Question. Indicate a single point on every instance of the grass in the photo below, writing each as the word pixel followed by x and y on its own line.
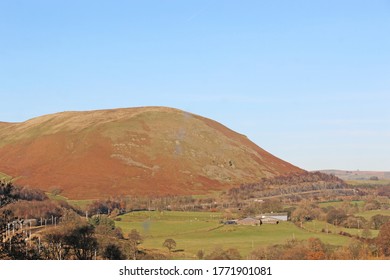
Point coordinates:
pixel 82 204
pixel 369 214
pixel 156 224
pixel 194 231
pixel 317 226
pixel 382 182
pixel 56 196
pixel 5 177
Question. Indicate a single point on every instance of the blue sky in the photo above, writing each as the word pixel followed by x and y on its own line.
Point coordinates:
pixel 308 81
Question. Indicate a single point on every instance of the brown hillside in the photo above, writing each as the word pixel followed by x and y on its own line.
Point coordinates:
pixel 135 151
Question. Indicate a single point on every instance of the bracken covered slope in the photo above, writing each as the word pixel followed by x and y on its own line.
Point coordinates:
pixel 134 151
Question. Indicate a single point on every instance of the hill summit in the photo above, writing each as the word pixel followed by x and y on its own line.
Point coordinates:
pixel 133 151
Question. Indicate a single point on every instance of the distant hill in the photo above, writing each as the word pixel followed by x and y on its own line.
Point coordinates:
pixel 358 175
pixel 134 151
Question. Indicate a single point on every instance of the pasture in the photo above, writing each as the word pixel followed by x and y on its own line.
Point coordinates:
pixel 318 226
pixel 369 214
pixel 81 203
pixel 194 231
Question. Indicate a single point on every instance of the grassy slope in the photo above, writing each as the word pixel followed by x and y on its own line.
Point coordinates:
pixel 368 214
pixel 194 231
pixel 82 204
pixel 5 177
pixel 317 226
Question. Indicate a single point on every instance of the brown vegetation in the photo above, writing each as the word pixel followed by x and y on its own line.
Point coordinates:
pixel 287 186
pixel 315 249
pixel 136 151
pixel 97 237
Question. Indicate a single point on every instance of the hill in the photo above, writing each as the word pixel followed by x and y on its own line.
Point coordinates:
pixel 134 151
pixel 359 175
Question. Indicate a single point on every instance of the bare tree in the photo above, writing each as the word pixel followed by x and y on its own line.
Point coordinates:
pixel 170 244
pixel 383 239
pixel 134 239
pixel 83 242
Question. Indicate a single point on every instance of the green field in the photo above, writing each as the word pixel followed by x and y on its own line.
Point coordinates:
pixel 369 214
pixel 82 204
pixel 317 226
pixel 194 231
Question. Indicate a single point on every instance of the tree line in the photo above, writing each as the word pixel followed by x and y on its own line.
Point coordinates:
pixel 285 185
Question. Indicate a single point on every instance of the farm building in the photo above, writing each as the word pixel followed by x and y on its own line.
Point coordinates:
pixel 281 217
pixel 249 222
pixel 268 220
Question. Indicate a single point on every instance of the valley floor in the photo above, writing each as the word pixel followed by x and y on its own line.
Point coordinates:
pixel 195 231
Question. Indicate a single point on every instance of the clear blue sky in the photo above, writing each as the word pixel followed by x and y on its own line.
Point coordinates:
pixel 308 81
